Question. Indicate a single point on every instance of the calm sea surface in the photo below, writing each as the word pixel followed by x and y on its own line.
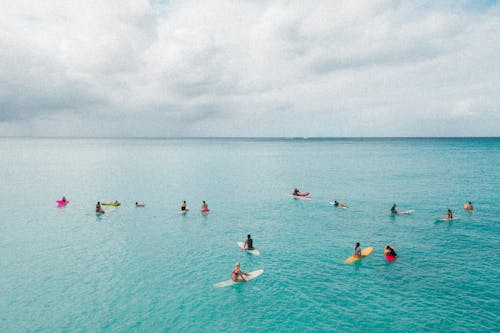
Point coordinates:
pixel 152 270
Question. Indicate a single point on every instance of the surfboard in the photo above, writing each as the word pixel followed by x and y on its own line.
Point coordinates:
pixel 401 213
pixel 364 252
pixel 230 282
pixel 447 219
pixel 205 211
pixel 106 203
pixel 389 258
pixel 255 252
pixel 183 212
pixel 299 197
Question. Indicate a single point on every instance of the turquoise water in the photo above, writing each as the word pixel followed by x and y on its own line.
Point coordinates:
pixel 152 270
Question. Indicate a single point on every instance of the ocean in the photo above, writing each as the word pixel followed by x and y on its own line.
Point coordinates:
pixel 150 269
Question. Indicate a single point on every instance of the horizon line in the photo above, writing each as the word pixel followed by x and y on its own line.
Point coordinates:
pixel 246 137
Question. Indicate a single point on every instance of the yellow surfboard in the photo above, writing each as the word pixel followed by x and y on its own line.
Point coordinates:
pixel 365 252
pixel 106 203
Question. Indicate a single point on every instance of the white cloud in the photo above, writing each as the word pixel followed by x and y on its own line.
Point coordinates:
pixel 241 68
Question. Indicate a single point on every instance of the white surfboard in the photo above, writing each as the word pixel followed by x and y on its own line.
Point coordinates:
pixel 255 252
pixel 230 282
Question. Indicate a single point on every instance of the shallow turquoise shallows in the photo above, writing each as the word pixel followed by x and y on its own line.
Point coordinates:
pixel 152 270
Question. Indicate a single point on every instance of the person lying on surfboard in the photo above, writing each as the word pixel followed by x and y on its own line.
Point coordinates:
pixel 248 243
pixel 237 275
pixel 357 250
pixel 139 204
pixel 297 193
pixel 393 209
pixel 339 204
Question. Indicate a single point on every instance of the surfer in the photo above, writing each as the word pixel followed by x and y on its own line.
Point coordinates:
pixel 98 208
pixel 393 209
pixel 296 191
pixel 237 275
pixel 339 204
pixel 248 243
pixel 184 206
pixel 139 204
pixel 357 250
pixel 468 206
pixel 204 205
pixel 450 214
pixel 389 250
pixel 63 199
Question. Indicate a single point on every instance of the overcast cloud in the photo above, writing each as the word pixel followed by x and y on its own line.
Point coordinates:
pixel 249 68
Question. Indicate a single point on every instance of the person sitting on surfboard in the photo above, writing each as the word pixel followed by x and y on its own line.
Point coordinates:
pixel 393 209
pixel 357 250
pixel 248 243
pixel 204 205
pixel 468 206
pixel 63 199
pixel 389 250
pixel 296 191
pixel 184 206
pixel 98 208
pixel 237 275
pixel 450 214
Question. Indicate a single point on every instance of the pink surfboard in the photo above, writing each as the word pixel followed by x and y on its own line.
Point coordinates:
pixel 389 258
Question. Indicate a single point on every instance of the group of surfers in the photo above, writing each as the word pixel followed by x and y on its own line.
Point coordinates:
pixel 99 210
pixel 468 206
pixel 389 250
pixel 237 275
pixel 184 206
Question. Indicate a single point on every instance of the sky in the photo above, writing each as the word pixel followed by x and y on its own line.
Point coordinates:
pixel 249 68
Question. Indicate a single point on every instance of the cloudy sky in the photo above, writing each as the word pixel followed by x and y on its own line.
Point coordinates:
pixel 249 68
